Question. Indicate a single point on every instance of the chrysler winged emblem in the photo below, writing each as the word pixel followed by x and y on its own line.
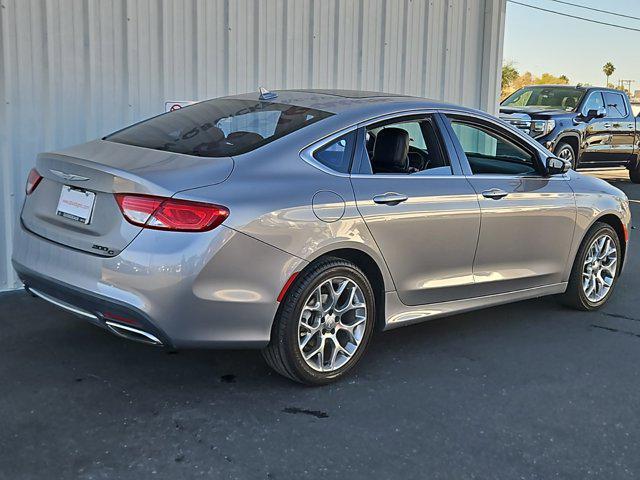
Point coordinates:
pixel 69 176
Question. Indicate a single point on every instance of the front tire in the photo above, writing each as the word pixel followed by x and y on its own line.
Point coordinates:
pixel 324 323
pixel 566 152
pixel 595 269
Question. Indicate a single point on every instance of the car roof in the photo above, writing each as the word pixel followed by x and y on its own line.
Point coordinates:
pixel 338 101
pixel 580 87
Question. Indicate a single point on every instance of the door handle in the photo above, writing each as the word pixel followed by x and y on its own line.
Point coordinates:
pixel 606 125
pixel 494 193
pixel 390 198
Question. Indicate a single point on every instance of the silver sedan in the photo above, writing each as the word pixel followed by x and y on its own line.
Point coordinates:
pixel 299 221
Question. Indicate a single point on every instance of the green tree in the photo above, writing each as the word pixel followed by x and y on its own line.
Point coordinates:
pixel 509 75
pixel 608 70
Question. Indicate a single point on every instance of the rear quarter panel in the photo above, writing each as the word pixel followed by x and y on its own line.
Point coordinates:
pixel 278 198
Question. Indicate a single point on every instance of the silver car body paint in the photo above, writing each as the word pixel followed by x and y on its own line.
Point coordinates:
pixel 447 249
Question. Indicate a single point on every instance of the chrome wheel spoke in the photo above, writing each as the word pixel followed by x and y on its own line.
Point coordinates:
pixel 599 269
pixel 332 324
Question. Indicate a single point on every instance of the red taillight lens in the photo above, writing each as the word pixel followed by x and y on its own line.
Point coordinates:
pixel 170 214
pixel 32 181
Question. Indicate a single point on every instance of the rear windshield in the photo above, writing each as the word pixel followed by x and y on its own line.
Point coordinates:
pixel 218 128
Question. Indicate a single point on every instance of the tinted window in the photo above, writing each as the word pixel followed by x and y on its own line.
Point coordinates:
pixel 489 153
pixel 564 98
pixel 423 155
pixel 594 102
pixel 218 128
pixel 337 154
pixel 616 106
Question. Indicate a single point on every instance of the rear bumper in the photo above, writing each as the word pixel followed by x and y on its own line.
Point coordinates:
pixel 214 289
pixel 119 318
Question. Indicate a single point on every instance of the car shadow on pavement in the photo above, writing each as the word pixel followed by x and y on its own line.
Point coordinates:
pixel 72 351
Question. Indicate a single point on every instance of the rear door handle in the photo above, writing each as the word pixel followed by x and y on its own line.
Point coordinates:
pixel 390 198
pixel 494 193
pixel 606 125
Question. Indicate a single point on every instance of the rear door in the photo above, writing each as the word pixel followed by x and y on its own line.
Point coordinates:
pixel 527 219
pixel 424 218
pixel 621 125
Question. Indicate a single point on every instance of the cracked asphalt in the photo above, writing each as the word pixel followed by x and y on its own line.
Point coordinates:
pixel 529 390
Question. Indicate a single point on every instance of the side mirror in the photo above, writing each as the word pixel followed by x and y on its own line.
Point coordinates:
pixel 557 166
pixel 601 112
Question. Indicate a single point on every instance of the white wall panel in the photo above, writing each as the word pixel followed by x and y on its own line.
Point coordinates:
pixel 73 70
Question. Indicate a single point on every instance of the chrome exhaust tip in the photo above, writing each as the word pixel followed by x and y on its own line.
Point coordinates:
pixel 131 333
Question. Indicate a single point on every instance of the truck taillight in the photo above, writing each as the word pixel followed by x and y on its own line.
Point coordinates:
pixel 32 181
pixel 170 214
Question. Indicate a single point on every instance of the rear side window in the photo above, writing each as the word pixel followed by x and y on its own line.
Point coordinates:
pixel 221 127
pixel 616 106
pixel 337 154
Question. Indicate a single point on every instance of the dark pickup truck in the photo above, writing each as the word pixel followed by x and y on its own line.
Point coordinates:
pixel 592 127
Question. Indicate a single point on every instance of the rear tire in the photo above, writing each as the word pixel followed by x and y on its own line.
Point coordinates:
pixel 307 322
pixel 595 270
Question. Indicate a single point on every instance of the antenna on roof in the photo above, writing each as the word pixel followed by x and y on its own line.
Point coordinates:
pixel 266 94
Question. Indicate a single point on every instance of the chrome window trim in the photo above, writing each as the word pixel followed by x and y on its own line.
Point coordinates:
pixel 495 176
pixel 502 126
pixel 307 153
pixel 408 175
pixel 391 116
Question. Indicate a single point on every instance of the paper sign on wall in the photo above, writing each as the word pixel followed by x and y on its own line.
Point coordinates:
pixel 177 104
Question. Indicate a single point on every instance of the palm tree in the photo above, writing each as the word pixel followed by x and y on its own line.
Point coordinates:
pixel 608 70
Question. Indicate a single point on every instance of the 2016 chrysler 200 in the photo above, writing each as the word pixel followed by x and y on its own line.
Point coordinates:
pixel 298 222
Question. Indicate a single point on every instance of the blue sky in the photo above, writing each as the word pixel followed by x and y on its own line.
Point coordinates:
pixel 543 42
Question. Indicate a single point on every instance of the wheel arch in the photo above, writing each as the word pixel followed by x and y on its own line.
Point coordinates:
pixel 616 223
pixel 573 139
pixel 366 262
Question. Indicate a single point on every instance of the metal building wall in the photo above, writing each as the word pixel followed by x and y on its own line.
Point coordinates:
pixel 73 70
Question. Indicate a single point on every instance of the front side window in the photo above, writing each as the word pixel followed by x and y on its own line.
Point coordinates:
pixel 405 146
pixel 221 127
pixel 594 102
pixel 616 106
pixel 337 154
pixel 490 153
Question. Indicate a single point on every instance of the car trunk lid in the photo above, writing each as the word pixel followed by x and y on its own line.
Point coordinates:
pixel 91 173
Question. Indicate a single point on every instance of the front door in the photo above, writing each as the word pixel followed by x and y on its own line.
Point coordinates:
pixel 527 219
pixel 422 213
pixel 597 133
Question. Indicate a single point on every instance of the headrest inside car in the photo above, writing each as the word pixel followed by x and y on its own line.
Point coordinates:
pixel 390 151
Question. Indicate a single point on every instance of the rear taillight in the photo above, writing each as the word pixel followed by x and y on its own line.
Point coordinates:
pixel 32 181
pixel 170 214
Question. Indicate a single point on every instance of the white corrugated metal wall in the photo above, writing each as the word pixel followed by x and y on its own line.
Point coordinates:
pixel 73 70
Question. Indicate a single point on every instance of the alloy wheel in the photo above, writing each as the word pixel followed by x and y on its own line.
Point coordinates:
pixel 599 269
pixel 566 154
pixel 332 324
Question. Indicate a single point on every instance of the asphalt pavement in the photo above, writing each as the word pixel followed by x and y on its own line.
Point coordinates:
pixel 530 390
